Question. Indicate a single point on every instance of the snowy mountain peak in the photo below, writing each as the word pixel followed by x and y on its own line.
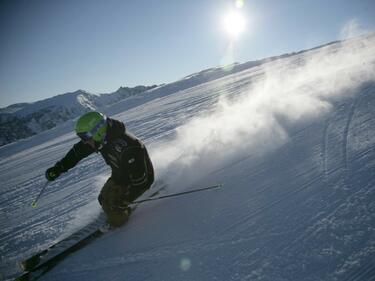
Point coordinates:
pixel 25 119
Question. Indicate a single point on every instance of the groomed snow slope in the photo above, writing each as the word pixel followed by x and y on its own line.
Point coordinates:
pixel 292 141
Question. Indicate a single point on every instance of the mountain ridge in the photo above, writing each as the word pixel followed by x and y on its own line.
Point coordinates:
pixel 23 120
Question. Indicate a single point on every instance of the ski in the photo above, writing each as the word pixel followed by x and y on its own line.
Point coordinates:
pixel 40 263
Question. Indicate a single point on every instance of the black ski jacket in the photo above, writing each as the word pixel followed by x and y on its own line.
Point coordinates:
pixel 123 152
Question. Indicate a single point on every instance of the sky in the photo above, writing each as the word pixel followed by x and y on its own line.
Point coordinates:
pixel 53 47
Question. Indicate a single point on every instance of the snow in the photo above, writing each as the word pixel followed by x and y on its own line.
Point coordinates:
pixel 291 139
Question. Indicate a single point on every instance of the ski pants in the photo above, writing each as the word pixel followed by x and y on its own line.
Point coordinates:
pixel 115 199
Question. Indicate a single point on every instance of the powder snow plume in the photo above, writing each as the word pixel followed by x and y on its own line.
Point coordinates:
pixel 288 91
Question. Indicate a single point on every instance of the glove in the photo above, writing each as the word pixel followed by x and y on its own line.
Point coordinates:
pixel 53 173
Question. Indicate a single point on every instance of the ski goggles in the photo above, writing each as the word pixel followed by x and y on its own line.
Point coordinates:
pixel 86 136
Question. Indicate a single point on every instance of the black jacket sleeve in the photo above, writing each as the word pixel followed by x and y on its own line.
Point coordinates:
pixel 79 151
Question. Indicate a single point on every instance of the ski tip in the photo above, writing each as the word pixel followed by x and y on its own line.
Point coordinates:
pixel 34 205
pixel 30 263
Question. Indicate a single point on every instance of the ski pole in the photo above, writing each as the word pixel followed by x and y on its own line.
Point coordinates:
pixel 178 194
pixel 35 202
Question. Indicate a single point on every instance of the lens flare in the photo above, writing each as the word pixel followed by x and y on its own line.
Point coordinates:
pixel 185 264
pixel 239 3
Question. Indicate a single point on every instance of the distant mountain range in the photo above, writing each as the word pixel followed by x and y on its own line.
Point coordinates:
pixel 22 120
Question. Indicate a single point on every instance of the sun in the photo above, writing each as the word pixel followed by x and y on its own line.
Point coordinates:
pixel 234 24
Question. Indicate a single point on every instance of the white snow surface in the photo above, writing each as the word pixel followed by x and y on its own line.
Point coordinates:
pixel 293 142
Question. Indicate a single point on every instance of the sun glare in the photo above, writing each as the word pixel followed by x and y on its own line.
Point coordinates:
pixel 234 24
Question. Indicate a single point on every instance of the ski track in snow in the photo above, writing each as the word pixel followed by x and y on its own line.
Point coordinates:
pixel 302 208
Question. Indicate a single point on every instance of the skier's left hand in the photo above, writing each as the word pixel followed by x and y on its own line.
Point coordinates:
pixel 53 173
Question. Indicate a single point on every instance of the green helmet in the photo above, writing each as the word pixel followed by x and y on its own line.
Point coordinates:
pixel 92 125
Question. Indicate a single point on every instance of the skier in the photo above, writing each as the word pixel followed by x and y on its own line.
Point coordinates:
pixel 132 170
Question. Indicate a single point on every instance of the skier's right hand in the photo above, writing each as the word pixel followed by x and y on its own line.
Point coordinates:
pixel 53 173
